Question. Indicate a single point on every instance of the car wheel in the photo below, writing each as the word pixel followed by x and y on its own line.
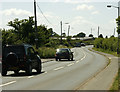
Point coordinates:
pixel 16 71
pixel 29 70
pixel 68 59
pixel 39 68
pixel 4 72
pixel 56 59
pixel 72 59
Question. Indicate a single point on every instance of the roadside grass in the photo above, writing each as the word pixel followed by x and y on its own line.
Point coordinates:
pixel 106 51
pixel 116 84
pixel 48 52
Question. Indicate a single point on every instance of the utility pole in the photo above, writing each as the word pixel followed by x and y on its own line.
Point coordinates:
pixel 68 30
pixel 36 40
pixel 61 31
pixel 98 30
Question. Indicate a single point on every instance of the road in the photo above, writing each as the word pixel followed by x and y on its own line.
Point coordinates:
pixel 59 75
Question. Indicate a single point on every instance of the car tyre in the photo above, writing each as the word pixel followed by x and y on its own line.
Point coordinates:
pixel 4 72
pixel 68 59
pixel 16 71
pixel 72 59
pixel 56 59
pixel 38 68
pixel 29 70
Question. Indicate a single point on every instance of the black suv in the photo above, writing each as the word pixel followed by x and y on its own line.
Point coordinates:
pixel 64 53
pixel 20 57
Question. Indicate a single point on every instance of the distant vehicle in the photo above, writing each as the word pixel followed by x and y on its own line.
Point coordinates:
pixel 20 57
pixel 77 45
pixel 83 44
pixel 63 53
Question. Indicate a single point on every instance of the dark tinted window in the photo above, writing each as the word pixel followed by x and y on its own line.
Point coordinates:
pixel 62 50
pixel 30 51
pixel 19 50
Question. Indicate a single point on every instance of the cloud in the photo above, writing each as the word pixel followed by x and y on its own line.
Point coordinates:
pixel 72 1
pixel 112 21
pixel 14 11
pixel 95 12
pixel 84 7
pixel 10 14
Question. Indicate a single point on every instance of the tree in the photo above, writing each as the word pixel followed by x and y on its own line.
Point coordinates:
pixel 24 32
pixel 90 35
pixel 106 37
pixel 80 35
pixel 64 34
pixel 24 29
pixel 118 24
pixel 100 36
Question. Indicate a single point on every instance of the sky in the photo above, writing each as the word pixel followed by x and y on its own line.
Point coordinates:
pixel 82 15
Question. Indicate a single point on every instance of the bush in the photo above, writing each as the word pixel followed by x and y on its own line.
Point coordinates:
pixel 46 52
pixel 109 44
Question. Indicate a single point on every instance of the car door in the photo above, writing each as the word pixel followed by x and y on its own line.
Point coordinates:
pixel 32 56
pixel 70 53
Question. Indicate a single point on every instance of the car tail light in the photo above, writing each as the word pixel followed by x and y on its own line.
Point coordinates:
pixel 55 54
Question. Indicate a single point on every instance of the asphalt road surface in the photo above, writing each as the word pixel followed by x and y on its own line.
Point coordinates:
pixel 59 75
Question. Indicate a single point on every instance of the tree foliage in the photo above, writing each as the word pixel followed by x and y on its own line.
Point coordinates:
pixel 118 24
pixel 90 35
pixel 106 43
pixel 24 32
pixel 100 36
pixel 80 35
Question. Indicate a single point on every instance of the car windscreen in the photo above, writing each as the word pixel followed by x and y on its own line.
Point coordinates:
pixel 62 50
pixel 18 50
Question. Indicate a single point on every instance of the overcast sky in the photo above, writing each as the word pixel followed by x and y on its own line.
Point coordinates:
pixel 82 15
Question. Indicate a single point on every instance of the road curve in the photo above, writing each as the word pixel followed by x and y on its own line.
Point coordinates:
pixel 60 75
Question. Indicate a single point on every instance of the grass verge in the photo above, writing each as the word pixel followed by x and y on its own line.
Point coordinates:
pixel 48 52
pixel 116 84
pixel 106 51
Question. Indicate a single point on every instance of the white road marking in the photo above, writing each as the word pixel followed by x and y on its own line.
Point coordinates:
pixel 45 72
pixel 70 64
pixel 58 68
pixel 82 58
pixel 30 76
pixel 7 83
pixel 77 61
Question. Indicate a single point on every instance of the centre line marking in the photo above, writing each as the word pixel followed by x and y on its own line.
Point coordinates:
pixel 70 64
pixel 30 76
pixel 58 68
pixel 7 83
pixel 77 61
pixel 82 58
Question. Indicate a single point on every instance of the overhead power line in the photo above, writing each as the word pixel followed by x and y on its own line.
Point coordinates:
pixel 43 14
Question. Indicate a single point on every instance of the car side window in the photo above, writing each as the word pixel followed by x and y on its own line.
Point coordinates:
pixel 69 50
pixel 30 51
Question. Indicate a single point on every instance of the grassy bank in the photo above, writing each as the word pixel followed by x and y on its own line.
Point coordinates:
pixel 48 52
pixel 106 51
pixel 116 84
